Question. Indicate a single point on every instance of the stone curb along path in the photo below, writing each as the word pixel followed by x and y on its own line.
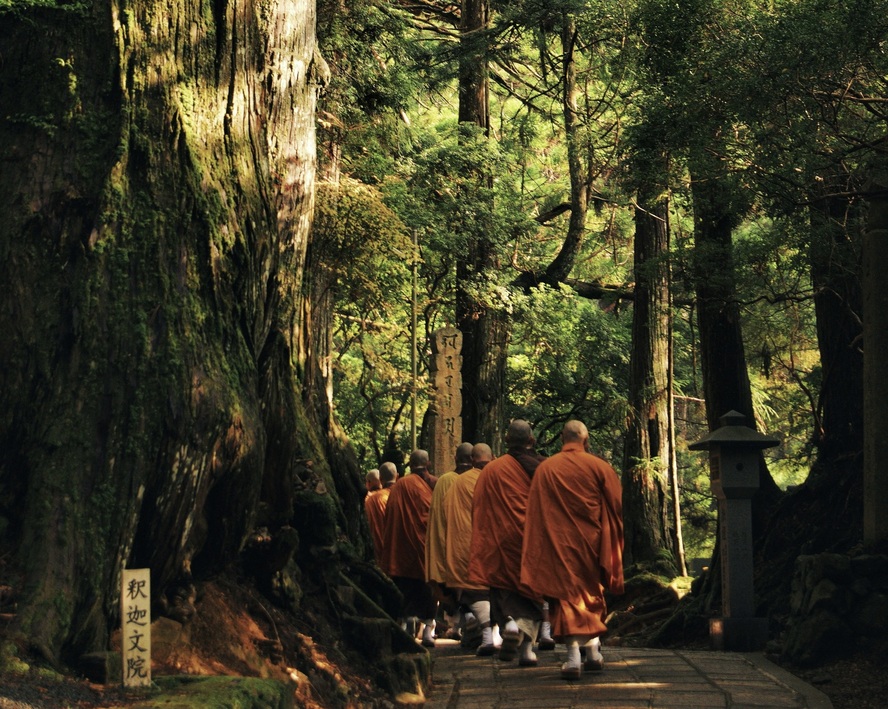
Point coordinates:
pixel 633 678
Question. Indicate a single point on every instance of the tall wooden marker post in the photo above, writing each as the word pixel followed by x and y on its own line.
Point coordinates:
pixel 446 416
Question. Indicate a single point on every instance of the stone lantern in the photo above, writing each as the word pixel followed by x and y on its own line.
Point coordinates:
pixel 734 474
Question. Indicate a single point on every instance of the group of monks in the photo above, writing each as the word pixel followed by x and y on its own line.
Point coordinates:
pixel 520 547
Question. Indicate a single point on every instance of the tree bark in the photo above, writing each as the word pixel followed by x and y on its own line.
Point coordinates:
pixel 646 450
pixel 158 193
pixel 875 364
pixel 484 326
pixel 562 264
pixel 835 275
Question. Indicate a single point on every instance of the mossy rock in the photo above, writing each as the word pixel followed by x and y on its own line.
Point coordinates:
pixel 406 674
pixel 9 659
pixel 190 692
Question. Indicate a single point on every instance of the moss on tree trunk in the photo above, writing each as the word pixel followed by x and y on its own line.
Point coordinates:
pixel 157 184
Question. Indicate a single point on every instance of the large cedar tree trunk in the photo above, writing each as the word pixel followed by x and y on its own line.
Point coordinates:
pixel 484 327
pixel 647 451
pixel 157 184
pixel 835 275
pixel 875 364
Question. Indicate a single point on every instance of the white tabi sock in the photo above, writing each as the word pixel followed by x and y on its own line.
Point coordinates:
pixel 593 650
pixel 525 650
pixel 486 635
pixel 428 632
pixel 545 630
pixel 573 652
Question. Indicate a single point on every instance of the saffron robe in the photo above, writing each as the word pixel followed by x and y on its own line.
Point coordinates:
pixel 573 539
pixel 498 508
pixel 406 519
pixel 374 508
pixel 458 511
pixel 437 529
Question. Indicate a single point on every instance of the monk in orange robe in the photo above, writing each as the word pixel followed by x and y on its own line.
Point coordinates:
pixel 458 545
pixel 573 544
pixel 375 504
pixel 498 510
pixel 404 536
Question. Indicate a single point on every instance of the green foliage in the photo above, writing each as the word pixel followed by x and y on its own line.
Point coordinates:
pixel 193 692
pixel 569 359
pixel 363 243
pixel 22 9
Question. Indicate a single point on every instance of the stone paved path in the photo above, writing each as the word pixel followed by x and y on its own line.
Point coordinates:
pixel 633 678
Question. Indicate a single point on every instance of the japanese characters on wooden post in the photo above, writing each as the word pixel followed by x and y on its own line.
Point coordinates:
pixel 135 620
pixel 446 419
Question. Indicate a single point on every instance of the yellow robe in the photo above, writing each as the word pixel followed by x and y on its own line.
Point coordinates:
pixel 458 511
pixel 437 530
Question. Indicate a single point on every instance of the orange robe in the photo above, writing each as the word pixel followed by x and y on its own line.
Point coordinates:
pixel 498 509
pixel 374 508
pixel 436 533
pixel 458 510
pixel 406 519
pixel 573 539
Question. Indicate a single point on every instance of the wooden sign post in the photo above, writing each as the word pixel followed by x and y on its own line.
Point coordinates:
pixel 446 419
pixel 135 620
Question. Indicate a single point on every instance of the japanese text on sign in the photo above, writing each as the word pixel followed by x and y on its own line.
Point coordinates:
pixel 135 618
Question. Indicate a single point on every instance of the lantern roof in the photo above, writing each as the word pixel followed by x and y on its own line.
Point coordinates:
pixel 734 432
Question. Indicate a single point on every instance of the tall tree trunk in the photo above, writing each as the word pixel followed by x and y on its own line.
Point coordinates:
pixel 835 275
pixel 646 450
pixel 875 364
pixel 726 383
pixel 158 192
pixel 317 385
pixel 484 327
pixel 562 264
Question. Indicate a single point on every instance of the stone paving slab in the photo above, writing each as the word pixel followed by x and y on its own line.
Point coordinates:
pixel 633 678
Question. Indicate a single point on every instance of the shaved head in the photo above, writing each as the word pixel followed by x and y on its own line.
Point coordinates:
pixel 481 455
pixel 388 473
pixel 372 479
pixel 575 431
pixel 419 460
pixel 464 454
pixel 519 434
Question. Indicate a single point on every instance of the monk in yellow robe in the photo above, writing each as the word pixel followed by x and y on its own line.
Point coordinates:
pixel 458 545
pixel 435 534
pixel 573 544
pixel 499 506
